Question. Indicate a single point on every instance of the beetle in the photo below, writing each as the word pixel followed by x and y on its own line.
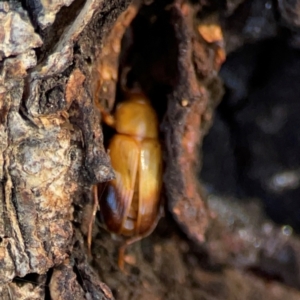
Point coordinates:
pixel 131 203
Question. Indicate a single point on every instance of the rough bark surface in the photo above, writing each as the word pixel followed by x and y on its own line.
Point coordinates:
pixel 47 159
pixel 59 60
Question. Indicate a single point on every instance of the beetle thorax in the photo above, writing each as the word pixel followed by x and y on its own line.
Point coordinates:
pixel 136 117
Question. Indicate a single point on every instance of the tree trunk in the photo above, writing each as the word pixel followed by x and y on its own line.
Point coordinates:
pixel 60 60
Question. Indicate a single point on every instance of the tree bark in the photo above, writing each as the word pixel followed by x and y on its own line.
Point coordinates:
pixel 58 61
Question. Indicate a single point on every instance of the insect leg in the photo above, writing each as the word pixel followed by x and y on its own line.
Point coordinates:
pixel 91 222
pixel 128 242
